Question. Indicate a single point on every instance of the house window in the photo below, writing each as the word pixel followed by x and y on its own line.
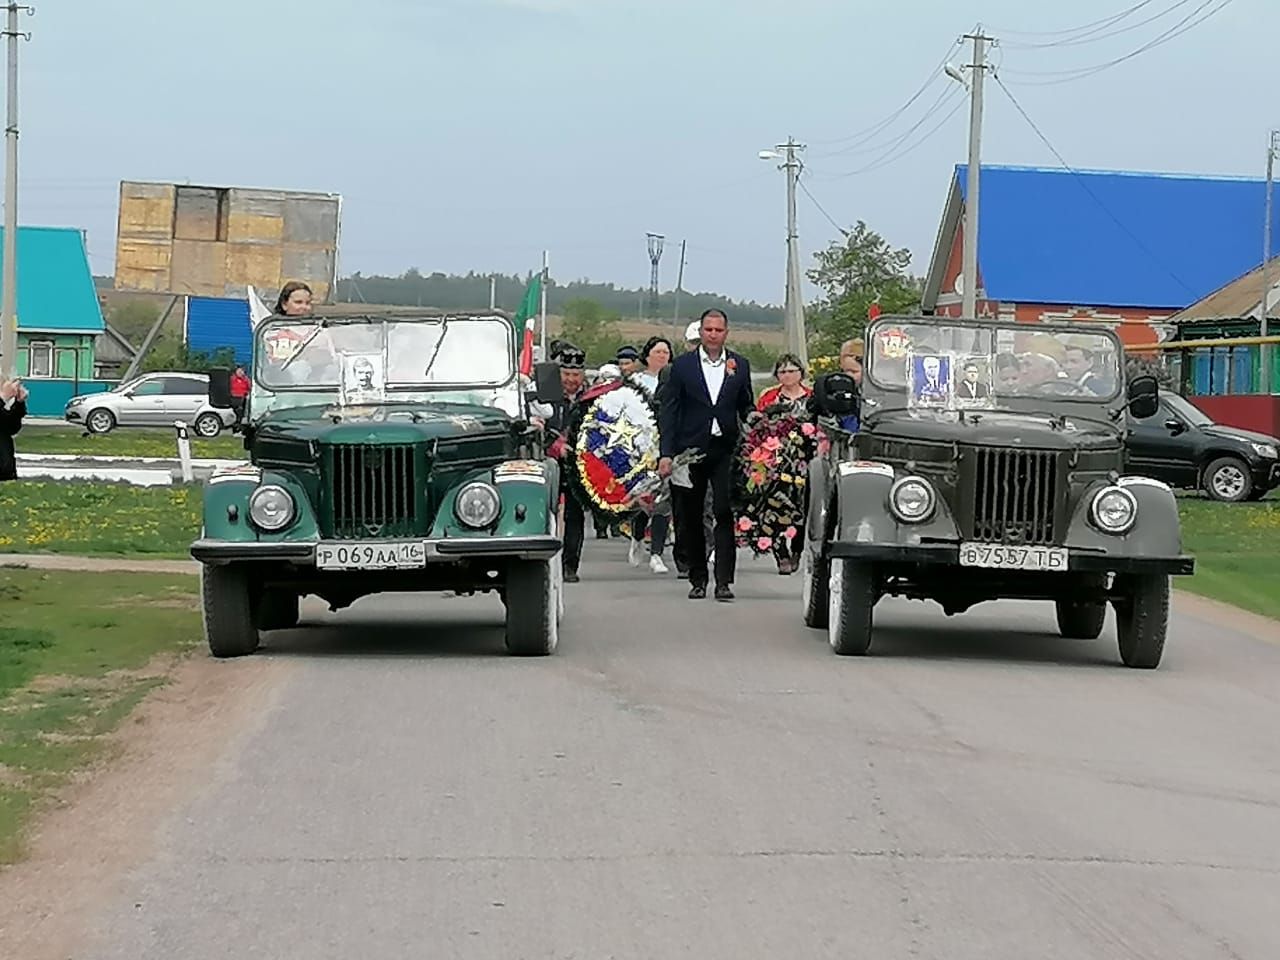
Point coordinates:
pixel 40 360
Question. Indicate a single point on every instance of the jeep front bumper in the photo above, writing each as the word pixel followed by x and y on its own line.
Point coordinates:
pixel 447 550
pixel 948 554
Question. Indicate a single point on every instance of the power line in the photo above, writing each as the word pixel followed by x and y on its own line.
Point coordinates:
pixel 822 210
pixel 1104 22
pixel 893 156
pixel 1089 190
pixel 867 133
pixel 1184 25
pixel 888 145
pixel 1099 34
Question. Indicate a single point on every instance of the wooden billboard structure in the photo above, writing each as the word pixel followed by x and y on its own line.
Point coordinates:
pixel 181 239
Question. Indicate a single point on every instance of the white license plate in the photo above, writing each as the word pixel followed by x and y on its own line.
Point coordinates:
pixel 371 555
pixel 1002 557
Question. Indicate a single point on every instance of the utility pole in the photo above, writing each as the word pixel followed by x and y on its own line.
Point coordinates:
pixel 1273 146
pixel 9 278
pixel 493 292
pixel 793 309
pixel 969 269
pixel 675 316
pixel 654 241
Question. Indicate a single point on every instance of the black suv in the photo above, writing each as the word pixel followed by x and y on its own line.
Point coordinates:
pixel 1182 446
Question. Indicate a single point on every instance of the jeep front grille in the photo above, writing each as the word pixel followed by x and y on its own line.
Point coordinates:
pixel 1015 496
pixel 372 492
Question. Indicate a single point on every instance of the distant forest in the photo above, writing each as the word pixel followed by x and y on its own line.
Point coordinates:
pixel 472 291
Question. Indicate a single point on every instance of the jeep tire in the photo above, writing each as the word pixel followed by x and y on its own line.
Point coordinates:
pixel 228 611
pixel 533 608
pixel 1142 619
pixel 815 576
pixel 852 597
pixel 1081 620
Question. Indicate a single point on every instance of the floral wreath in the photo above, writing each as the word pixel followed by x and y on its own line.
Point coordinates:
pixel 771 492
pixel 613 448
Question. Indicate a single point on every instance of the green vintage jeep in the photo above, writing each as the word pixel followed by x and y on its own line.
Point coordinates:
pixel 988 464
pixel 388 452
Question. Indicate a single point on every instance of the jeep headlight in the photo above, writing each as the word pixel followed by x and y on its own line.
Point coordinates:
pixel 912 499
pixel 1114 510
pixel 477 505
pixel 1267 450
pixel 271 508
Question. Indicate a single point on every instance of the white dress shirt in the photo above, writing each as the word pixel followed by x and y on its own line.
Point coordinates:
pixel 713 373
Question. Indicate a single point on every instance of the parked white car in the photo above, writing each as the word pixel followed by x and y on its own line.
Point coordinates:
pixel 152 400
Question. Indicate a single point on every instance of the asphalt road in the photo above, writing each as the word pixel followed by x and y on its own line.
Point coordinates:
pixel 706 780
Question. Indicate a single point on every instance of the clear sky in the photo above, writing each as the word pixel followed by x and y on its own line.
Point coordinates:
pixel 471 134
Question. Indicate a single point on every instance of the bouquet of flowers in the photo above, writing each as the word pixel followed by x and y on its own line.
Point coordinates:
pixel 771 492
pixel 652 495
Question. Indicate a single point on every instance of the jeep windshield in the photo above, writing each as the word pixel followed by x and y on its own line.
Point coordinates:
pixel 361 361
pixel 955 365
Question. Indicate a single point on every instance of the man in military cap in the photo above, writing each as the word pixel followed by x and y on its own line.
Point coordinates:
pixel 573 363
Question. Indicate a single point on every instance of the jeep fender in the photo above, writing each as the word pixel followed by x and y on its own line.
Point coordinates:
pixel 526 489
pixel 862 505
pixel 226 507
pixel 1157 532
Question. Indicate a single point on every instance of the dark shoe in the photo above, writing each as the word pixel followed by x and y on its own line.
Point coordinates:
pixel 571 576
pixel 723 593
pixel 697 593
pixel 784 567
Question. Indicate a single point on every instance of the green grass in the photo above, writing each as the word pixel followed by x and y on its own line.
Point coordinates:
pixel 1237 551
pixel 71 670
pixel 124 442
pixel 98 519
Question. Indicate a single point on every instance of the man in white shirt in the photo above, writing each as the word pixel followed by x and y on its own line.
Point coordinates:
pixel 707 395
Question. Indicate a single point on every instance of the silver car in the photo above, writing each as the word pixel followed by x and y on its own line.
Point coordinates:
pixel 152 400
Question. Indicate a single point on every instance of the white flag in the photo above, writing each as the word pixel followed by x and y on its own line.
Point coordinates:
pixel 258 311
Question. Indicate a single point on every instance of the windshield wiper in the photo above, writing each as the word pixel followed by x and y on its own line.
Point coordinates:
pixel 444 330
pixel 305 343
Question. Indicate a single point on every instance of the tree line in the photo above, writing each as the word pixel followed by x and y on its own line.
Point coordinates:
pixel 851 274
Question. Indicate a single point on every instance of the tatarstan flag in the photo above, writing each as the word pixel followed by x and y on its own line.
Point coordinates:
pixel 526 321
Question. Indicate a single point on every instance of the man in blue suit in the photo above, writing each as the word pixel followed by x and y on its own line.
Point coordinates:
pixel 707 394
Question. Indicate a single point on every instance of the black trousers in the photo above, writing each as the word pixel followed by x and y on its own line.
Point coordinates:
pixel 574 528
pixel 713 471
pixel 659 524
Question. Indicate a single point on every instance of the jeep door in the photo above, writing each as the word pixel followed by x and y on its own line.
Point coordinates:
pixel 1164 447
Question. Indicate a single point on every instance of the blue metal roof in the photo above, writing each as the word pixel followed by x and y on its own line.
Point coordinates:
pixel 214 323
pixel 55 285
pixel 1101 237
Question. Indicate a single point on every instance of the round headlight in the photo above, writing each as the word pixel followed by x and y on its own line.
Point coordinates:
pixel 271 508
pixel 1114 510
pixel 477 505
pixel 912 499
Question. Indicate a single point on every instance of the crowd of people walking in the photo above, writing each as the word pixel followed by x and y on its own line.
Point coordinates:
pixel 725 481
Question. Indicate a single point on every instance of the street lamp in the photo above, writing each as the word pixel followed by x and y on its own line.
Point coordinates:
pixel 793 311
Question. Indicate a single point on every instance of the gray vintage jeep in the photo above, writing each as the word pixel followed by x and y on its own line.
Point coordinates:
pixel 987 465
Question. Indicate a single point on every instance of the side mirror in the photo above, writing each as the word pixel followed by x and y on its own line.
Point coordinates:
pixel 546 379
pixel 220 388
pixel 836 395
pixel 1144 397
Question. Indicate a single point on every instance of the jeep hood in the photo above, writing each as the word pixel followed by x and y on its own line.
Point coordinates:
pixel 998 429
pixel 385 423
